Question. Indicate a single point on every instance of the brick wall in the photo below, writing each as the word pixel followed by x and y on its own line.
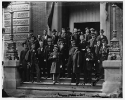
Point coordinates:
pixel 39 18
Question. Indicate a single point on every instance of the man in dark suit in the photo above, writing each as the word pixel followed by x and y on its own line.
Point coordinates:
pixel 33 59
pixel 88 72
pixel 23 64
pixel 28 40
pixel 54 37
pixel 97 57
pixel 102 37
pixel 70 62
pixel 82 48
pixel 64 53
pixel 75 36
pixel 47 51
pixel 34 40
pixel 45 38
pixel 92 42
pixel 41 59
pixel 77 65
pixel 87 34
pixel 69 34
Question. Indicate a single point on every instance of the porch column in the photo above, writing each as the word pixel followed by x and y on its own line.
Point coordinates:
pixel 57 17
pixel 105 19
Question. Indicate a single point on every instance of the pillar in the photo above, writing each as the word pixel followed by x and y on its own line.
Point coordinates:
pixel 105 19
pixel 11 63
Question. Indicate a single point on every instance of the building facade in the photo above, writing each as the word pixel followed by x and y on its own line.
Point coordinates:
pixel 34 16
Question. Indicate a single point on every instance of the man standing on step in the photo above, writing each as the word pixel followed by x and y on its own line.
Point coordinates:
pixel 77 65
pixel 70 62
pixel 47 51
pixel 32 56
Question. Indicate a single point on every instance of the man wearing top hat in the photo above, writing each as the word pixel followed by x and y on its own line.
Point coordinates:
pixel 101 36
pixel 47 51
pixel 54 36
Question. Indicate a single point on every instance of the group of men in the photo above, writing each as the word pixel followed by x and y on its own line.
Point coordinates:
pixel 81 53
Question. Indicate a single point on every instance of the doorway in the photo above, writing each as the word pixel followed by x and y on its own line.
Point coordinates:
pixel 82 26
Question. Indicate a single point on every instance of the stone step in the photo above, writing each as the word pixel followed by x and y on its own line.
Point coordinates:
pixel 58 87
pixel 67 80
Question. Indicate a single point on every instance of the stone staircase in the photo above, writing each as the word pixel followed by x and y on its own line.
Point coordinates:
pixel 64 85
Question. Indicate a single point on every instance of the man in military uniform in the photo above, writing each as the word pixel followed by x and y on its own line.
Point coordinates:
pixel 47 51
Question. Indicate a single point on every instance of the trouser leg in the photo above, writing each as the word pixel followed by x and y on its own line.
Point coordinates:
pixel 32 73
pixel 37 72
pixel 69 66
pixel 57 77
pixel 89 76
pixel 85 75
pixel 48 68
pixel 73 80
pixel 77 78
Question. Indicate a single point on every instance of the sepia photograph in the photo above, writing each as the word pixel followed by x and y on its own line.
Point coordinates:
pixel 62 49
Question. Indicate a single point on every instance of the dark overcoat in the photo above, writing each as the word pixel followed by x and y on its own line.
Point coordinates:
pixel 77 61
pixel 89 64
pixel 23 61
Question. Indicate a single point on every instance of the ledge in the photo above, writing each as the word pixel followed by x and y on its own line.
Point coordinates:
pixel 112 64
pixel 11 63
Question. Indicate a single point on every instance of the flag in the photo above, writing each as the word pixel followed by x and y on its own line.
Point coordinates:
pixel 50 18
pixel 106 9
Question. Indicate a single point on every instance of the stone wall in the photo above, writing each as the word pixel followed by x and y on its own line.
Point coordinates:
pixel 21 23
pixel 27 16
pixel 39 18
